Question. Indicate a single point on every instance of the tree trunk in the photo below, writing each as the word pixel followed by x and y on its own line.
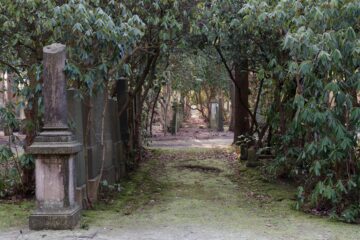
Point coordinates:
pixel 220 122
pixel 241 116
pixel 32 121
pixel 137 127
pixel 232 99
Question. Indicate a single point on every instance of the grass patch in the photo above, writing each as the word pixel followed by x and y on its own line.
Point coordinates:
pixel 162 194
pixel 140 191
pixel 15 214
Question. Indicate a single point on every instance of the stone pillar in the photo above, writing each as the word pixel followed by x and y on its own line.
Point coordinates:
pixel 55 149
pixel 174 121
pixel 214 106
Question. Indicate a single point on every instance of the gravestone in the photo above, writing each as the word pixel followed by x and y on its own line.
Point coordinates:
pixel 214 106
pixel 252 158
pixel 110 133
pixel 243 152
pixel 92 131
pixel 76 124
pixel 55 149
pixel 175 121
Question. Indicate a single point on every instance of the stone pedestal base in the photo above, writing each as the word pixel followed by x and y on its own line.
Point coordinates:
pixel 61 219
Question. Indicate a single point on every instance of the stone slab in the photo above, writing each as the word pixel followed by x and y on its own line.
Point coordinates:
pixel 51 148
pixel 55 219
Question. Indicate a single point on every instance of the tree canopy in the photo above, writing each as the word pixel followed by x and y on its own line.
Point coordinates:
pixel 303 59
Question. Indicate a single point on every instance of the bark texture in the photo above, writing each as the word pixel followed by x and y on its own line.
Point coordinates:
pixel 241 115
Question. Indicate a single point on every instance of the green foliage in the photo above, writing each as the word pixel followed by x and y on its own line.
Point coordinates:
pixel 98 35
pixel 327 119
pixel 8 117
pixel 199 76
pixel 11 162
pixel 8 174
pixel 309 51
pixel 305 54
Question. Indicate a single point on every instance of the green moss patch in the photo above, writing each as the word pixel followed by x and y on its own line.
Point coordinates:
pixel 15 214
pixel 206 188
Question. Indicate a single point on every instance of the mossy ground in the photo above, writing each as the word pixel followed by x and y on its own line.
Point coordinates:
pixel 15 214
pixel 180 187
pixel 198 194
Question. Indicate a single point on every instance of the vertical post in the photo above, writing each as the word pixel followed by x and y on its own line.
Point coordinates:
pixel 220 118
pixel 214 105
pixel 54 90
pixel 174 122
pixel 55 149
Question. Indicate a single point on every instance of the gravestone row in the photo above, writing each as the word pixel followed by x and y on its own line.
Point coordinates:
pixel 68 150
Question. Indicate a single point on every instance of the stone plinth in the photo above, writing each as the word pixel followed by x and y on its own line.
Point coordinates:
pixel 55 150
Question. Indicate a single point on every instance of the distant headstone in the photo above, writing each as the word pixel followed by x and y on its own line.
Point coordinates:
pixel 253 159
pixel 175 122
pixel 243 152
pixel 214 108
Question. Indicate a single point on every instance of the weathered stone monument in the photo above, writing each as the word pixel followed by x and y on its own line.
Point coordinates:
pixel 175 122
pixel 75 122
pixel 252 158
pixel 214 108
pixel 55 149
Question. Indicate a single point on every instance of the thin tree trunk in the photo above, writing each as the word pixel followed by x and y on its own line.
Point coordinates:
pixel 257 102
pixel 242 125
pixel 232 99
pixel 245 105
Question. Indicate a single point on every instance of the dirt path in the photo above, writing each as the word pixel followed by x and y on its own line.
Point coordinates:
pixel 193 134
pixel 198 194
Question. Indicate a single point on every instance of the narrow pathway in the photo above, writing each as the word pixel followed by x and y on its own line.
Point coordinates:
pixel 193 134
pixel 198 194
